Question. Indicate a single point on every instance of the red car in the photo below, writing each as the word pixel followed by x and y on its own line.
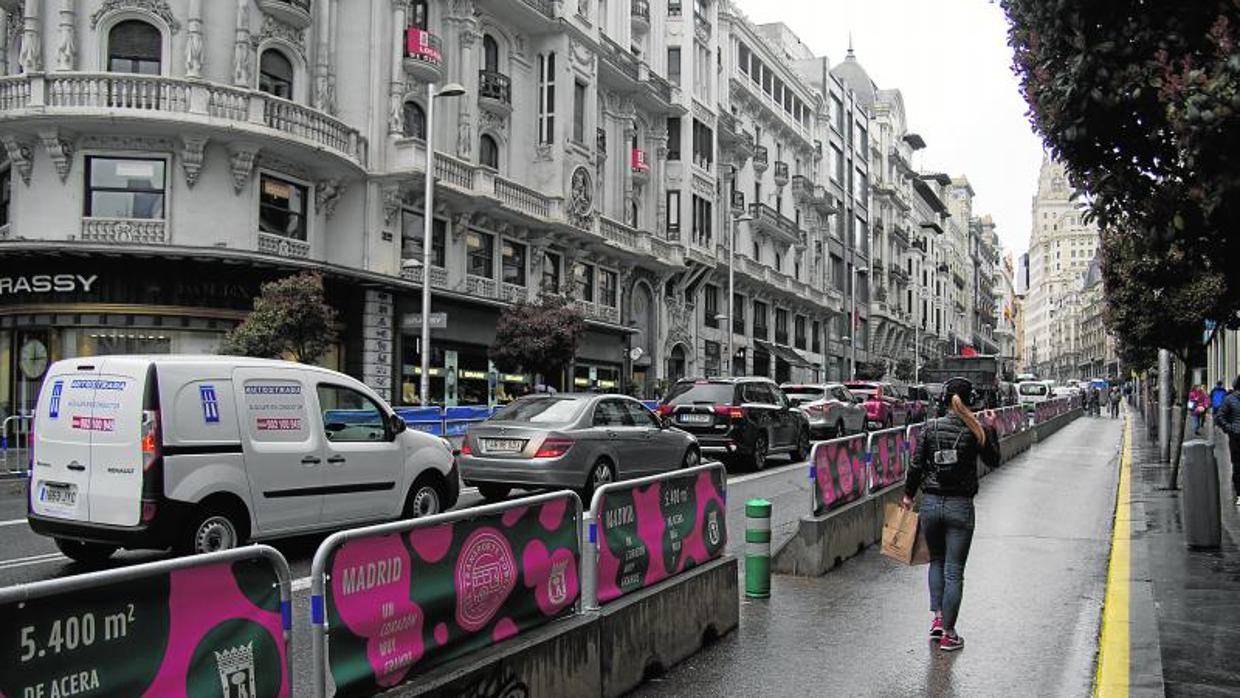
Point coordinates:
pixel 884 406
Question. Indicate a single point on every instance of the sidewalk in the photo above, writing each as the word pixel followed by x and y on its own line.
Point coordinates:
pixel 1032 606
pixel 1196 594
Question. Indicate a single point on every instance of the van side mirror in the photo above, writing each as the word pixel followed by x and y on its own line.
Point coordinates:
pixel 397 424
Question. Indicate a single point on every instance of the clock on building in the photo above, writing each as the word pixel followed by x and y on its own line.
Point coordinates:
pixel 32 359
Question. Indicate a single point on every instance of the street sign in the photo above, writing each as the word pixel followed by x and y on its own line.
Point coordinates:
pixel 413 321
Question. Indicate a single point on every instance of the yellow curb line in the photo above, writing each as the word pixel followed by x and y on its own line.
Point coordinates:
pixel 1111 680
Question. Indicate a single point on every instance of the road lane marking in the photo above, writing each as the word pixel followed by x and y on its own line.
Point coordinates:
pixel 13 522
pixel 1113 645
pixel 32 560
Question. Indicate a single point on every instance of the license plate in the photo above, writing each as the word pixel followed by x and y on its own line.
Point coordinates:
pixel 503 445
pixel 58 494
pixel 695 418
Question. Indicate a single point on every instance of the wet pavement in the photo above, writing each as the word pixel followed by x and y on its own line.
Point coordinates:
pixel 1034 589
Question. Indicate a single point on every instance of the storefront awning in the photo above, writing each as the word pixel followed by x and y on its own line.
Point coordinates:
pixel 789 355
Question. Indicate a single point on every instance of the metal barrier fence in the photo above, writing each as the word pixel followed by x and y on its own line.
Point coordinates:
pixel 837 469
pixel 646 530
pixel 453 421
pixel 185 626
pixel 15 433
pixel 1005 420
pixel 466 579
pixel 887 457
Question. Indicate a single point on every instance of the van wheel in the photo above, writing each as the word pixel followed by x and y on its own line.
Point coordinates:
pixel 212 531
pixel 494 493
pixel 425 499
pixel 91 554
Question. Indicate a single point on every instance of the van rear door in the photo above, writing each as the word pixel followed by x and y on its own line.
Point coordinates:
pixel 123 399
pixel 60 483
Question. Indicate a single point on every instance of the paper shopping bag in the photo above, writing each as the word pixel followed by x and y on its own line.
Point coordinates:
pixel 901 534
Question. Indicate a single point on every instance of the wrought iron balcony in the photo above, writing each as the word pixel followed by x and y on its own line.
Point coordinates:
pixel 495 92
pixel 296 13
pixel 760 160
pixel 780 227
pixel 781 173
pixel 640 14
pixel 423 55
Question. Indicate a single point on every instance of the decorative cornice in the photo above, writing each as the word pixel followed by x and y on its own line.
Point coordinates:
pixel 279 31
pixel 192 148
pixel 21 155
pixel 159 8
pixel 60 150
pixel 127 143
pixel 241 159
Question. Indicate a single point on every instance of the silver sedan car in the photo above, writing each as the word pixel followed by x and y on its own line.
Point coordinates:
pixel 832 410
pixel 574 441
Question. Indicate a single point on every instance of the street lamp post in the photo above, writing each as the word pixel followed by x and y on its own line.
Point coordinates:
pixel 451 89
pixel 852 318
pixel 736 217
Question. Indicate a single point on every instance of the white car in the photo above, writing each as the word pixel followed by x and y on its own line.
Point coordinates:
pixel 202 453
pixel 1032 392
pixel 832 410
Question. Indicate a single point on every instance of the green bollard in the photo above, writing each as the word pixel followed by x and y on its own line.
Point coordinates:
pixel 758 549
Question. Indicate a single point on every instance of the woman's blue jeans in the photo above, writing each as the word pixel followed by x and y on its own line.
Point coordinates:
pixel 948 525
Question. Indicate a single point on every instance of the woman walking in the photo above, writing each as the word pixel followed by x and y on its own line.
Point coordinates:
pixel 945 467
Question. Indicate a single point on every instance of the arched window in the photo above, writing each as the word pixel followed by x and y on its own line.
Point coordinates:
pixel 415 120
pixel 676 363
pixel 488 152
pixel 490 54
pixel 275 74
pixel 134 46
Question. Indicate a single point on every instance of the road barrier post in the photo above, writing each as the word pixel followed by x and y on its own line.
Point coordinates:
pixel 758 549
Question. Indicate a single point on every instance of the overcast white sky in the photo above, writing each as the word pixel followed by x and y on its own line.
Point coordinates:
pixel 951 61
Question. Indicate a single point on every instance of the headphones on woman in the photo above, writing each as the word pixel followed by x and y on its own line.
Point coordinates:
pixel 957 386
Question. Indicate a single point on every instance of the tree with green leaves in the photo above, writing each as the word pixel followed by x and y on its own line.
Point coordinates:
pixel 291 320
pixel 539 337
pixel 1142 106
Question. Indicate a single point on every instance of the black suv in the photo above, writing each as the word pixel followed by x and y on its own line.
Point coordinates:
pixel 738 420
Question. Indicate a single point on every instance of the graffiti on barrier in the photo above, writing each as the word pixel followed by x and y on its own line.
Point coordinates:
pixel 839 472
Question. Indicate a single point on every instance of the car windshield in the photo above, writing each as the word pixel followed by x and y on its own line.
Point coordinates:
pixel 863 391
pixel 1032 389
pixel 541 410
pixel 804 394
pixel 703 393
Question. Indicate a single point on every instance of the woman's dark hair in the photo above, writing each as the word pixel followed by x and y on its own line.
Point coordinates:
pixel 957 396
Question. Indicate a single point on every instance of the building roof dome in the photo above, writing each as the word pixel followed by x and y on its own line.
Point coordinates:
pixel 853 75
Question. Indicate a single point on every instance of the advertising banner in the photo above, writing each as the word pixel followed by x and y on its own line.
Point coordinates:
pixel 839 472
pixel 399 603
pixel 203 631
pixel 420 43
pixel 649 532
pixel 886 452
pixel 913 437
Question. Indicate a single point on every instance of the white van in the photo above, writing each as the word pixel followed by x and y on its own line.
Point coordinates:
pixel 1032 392
pixel 203 453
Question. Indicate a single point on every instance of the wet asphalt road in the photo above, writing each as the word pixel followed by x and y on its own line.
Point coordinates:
pixel 1034 588
pixel 26 557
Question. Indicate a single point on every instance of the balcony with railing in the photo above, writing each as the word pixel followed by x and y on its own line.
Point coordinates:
pixel 127 231
pixel 423 55
pixel 618 64
pixel 779 227
pixel 295 13
pixel 898 275
pixel 495 92
pixel 760 159
pixel 781 173
pixel 737 202
pixel 62 98
pixel 822 201
pixel 282 246
pixel 413 272
pixel 639 12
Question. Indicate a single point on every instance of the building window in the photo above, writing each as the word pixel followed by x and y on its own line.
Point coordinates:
pixel 579 112
pixel 837 159
pixel 815 342
pixel 488 152
pixel 703 231
pixel 135 46
pixel 122 188
pixel 608 286
pixel 742 58
pixel 673 138
pixel 412 233
pixel 837 108
pixel 583 282
pixel 550 273
pixel 6 196
pixel 703 145
pixel 673 8
pixel 414 120
pixel 710 302
pixel 490 54
pixel 282 208
pixel 479 254
pixel 798 332
pixel 673 65
pixel 781 325
pixel 713 363
pixel 513 263
pixel 419 15
pixel 673 214
pixel 546 98
pixel 759 320
pixel 275 74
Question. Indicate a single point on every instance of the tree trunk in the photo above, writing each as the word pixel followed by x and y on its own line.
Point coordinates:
pixel 1176 444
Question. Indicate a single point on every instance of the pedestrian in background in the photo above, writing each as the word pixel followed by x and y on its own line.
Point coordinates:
pixel 1228 419
pixel 1115 402
pixel 1216 397
pixel 945 468
pixel 1197 406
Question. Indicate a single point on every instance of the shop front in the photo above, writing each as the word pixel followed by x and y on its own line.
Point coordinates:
pixel 55 307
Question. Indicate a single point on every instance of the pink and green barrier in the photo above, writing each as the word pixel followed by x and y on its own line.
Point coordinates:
pixel 1048 410
pixel 887 456
pixel 1006 421
pixel 390 602
pixel 644 531
pixel 206 625
pixel 838 471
